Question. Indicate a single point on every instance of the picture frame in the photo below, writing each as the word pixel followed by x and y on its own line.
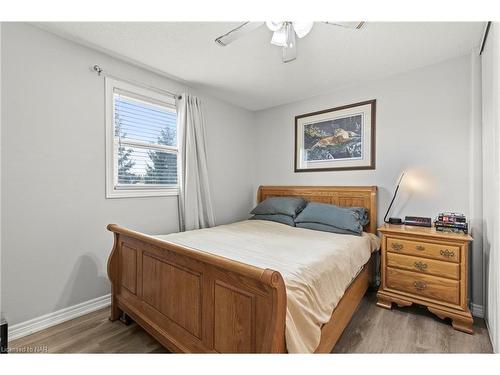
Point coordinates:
pixel 336 139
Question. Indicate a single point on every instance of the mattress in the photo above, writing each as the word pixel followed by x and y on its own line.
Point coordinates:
pixel 317 267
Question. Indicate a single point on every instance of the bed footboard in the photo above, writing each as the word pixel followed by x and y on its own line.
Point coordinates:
pixel 196 302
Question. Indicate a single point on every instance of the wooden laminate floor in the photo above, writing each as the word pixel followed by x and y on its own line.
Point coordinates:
pixel 372 330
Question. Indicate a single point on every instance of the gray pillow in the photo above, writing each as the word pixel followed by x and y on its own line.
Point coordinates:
pixel 279 218
pixel 325 228
pixel 348 218
pixel 280 205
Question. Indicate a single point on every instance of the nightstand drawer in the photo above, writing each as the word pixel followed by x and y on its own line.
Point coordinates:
pixel 424 265
pixel 428 286
pixel 425 249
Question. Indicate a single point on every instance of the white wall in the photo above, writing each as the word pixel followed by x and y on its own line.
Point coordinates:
pixel 491 180
pixel 423 126
pixel 54 211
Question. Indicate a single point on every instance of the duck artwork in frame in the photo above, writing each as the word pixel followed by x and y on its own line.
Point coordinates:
pixel 341 138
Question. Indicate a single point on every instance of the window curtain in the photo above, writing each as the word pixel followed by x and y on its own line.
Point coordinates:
pixel 195 205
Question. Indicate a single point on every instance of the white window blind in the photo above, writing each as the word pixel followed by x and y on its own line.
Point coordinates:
pixel 145 145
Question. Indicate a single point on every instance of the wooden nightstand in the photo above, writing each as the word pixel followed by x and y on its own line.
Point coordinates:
pixel 423 266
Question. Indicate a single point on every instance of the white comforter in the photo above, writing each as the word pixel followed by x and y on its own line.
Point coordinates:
pixel 317 267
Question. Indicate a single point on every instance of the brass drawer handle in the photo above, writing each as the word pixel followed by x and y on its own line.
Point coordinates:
pixel 420 248
pixel 447 253
pixel 420 285
pixel 421 266
pixel 397 246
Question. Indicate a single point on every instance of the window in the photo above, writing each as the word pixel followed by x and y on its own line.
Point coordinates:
pixel 142 142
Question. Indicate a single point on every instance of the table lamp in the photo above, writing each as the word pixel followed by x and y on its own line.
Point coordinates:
pixel 394 220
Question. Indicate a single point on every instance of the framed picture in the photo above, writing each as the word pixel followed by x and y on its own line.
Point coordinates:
pixel 341 138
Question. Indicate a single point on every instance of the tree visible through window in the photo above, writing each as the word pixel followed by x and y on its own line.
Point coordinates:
pixel 161 160
pixel 125 162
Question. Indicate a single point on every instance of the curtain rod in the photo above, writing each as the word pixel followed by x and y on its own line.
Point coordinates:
pixel 100 72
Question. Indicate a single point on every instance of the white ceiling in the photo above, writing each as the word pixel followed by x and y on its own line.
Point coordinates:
pixel 249 72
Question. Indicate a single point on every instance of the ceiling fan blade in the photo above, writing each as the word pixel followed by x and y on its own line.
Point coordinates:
pixel 237 33
pixel 348 25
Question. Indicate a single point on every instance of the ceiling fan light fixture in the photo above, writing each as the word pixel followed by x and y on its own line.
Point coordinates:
pixel 284 33
pixel 274 25
pixel 279 38
pixel 302 28
pixel 284 37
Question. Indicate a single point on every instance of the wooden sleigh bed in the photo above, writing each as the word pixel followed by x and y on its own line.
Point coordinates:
pixel 217 305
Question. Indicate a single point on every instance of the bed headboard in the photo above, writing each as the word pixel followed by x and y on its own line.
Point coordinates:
pixel 345 196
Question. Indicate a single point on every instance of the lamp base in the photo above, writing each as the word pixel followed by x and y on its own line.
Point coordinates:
pixel 395 221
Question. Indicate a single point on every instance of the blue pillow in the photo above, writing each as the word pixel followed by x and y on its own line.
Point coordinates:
pixel 283 219
pixel 362 212
pixel 349 218
pixel 325 228
pixel 280 205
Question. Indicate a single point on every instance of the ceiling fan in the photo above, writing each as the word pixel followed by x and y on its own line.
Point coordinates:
pixel 284 33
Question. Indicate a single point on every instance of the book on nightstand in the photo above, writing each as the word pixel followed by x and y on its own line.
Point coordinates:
pixel 451 222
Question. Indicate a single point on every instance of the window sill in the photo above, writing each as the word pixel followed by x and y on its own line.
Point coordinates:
pixel 141 193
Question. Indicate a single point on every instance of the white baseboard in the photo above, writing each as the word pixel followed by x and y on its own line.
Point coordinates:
pixel 477 310
pixel 45 321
